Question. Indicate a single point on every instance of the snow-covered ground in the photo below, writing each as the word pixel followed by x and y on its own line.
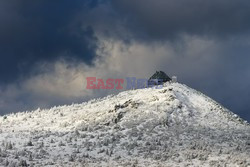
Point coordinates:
pixel 172 126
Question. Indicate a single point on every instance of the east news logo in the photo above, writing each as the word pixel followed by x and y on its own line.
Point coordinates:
pixel 156 81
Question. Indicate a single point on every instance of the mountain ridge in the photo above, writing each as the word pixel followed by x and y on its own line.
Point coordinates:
pixel 143 127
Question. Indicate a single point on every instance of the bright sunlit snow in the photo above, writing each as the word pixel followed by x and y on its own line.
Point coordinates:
pixel 172 126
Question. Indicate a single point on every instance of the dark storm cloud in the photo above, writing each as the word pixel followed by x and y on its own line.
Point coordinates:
pixel 35 31
pixel 165 19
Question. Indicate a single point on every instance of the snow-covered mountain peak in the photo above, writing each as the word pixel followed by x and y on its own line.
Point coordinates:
pixel 170 105
pixel 149 126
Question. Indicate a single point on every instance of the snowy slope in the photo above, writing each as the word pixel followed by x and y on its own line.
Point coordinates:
pixel 172 126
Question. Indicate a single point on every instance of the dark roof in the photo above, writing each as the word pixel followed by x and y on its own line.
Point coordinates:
pixel 160 75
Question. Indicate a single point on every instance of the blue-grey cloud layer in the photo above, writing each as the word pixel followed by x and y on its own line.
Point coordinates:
pixel 35 31
pixel 166 19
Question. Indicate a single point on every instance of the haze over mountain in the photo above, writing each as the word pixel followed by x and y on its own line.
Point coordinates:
pixel 172 126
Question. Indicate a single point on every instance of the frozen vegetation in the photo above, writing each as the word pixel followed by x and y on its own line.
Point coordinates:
pixel 172 126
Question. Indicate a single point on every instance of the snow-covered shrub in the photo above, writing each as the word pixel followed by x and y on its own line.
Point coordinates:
pixel 61 144
pixel 23 163
pixel 29 143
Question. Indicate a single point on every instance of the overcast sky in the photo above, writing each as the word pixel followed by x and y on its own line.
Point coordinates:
pixel 48 48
